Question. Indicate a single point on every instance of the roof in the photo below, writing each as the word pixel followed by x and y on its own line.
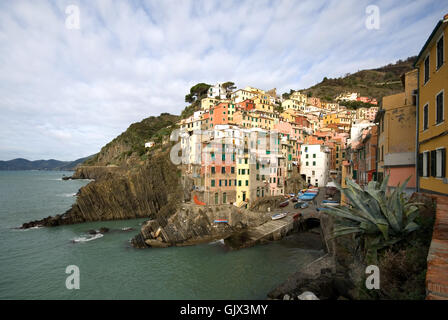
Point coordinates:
pixel 428 41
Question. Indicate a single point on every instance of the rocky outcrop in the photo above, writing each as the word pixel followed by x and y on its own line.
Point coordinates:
pixel 153 190
pixel 96 172
pixel 295 182
pixel 193 224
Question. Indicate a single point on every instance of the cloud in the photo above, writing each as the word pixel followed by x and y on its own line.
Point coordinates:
pixel 66 93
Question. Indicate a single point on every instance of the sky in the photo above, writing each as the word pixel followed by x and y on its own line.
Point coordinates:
pixel 68 86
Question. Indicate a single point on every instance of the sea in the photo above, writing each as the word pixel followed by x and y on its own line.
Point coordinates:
pixel 35 263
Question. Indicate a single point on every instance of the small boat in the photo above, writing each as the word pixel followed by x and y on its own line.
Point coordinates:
pixel 329 203
pixel 283 204
pixel 307 197
pixel 279 216
pixel 220 221
pixel 298 204
pixel 304 205
pixel 294 199
pixel 297 216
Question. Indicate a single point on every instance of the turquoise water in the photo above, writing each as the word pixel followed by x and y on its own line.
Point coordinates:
pixel 33 262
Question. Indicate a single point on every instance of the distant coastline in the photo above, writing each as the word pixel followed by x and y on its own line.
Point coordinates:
pixel 49 165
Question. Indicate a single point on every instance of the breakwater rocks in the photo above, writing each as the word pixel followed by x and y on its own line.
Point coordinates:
pixel 192 224
pixel 152 190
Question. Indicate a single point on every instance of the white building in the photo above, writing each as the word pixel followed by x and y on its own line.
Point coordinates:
pixel 347 96
pixel 149 144
pixel 217 91
pixel 315 164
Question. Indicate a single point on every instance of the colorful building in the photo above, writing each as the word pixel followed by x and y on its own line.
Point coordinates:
pixel 397 130
pixel 432 114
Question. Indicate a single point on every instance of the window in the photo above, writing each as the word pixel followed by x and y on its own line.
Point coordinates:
pixel 213 169
pixel 224 197
pixel 440 163
pixel 433 163
pixel 216 198
pixel 232 169
pixel 420 165
pixel 307 163
pixel 425 117
pixel 439 108
pixel 247 182
pixel 239 183
pixel 427 69
pixel 382 153
pixel 213 183
pixel 223 169
pixel 314 155
pixel 314 163
pixel 440 53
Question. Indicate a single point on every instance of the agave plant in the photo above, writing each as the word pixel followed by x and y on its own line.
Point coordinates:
pixel 381 220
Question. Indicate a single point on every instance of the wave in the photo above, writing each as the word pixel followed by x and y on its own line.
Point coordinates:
pixel 67 195
pixel 20 228
pixel 88 238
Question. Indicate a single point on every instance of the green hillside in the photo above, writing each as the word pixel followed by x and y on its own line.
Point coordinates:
pixel 373 83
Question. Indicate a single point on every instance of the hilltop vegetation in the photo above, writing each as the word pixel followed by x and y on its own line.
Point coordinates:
pixel 129 147
pixel 374 83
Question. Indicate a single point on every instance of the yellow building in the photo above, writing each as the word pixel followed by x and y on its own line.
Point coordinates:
pixel 292 104
pixel 207 103
pixel 263 103
pixel 432 115
pixel 396 134
pixel 289 115
pixel 336 118
pixel 297 96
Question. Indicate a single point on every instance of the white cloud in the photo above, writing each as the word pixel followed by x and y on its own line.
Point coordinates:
pixel 65 93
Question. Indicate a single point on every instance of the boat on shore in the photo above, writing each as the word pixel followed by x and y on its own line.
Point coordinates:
pixel 221 221
pixel 283 204
pixel 279 216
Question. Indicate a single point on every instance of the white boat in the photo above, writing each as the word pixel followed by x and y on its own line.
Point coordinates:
pixel 279 216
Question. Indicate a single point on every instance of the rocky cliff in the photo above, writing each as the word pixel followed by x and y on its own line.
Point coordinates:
pixel 152 190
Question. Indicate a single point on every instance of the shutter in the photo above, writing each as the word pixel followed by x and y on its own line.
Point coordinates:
pixel 420 165
pixel 433 163
pixel 443 163
pixel 428 164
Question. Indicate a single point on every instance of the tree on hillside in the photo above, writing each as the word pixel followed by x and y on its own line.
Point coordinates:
pixel 229 86
pixel 197 92
pixel 286 95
